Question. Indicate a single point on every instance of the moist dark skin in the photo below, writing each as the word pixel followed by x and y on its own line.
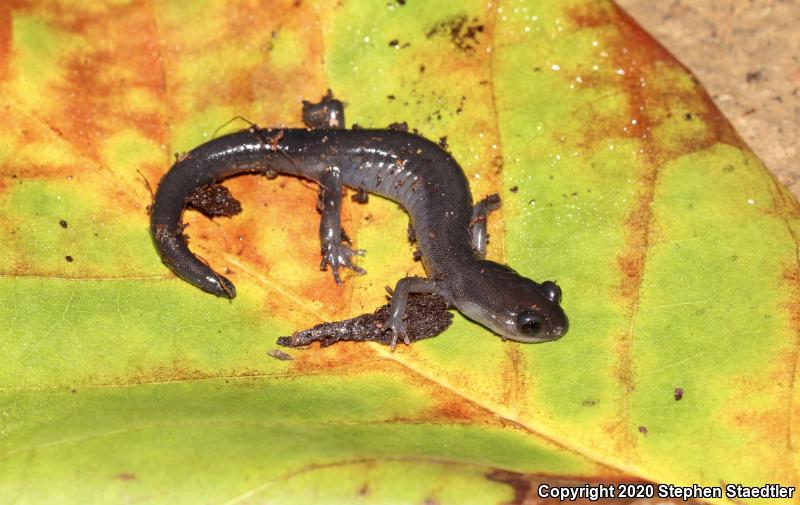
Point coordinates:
pixel 407 168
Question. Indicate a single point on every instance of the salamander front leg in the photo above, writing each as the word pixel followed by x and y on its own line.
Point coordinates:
pixel 478 223
pixel 397 309
pixel 334 252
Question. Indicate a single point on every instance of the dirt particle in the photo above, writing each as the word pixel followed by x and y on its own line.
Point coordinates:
pixel 678 394
pixel 754 76
pixel 390 97
pixel 443 142
pixel 280 355
pixel 514 189
pixel 394 43
pixel 63 223
pixel 360 196
pixel 460 108
pixel 401 126
pixel 69 258
pixel 643 430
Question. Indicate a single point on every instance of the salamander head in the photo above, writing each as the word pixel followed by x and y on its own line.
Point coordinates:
pixel 514 307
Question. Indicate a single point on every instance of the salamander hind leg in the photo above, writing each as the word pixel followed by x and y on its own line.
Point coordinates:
pixel 397 310
pixel 335 253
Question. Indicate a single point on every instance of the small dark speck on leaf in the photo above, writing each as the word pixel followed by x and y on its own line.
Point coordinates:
pixel 69 258
pixel 589 402
pixel 754 76
pixel 688 116
pixel 678 394
pixel 464 33
pixel 390 97
pixel 73 390
pixel 643 430
pixel 63 223
pixel 443 142
pixel 125 476
pixel 394 43
pixel 278 354
pixel 514 189
pixel 728 169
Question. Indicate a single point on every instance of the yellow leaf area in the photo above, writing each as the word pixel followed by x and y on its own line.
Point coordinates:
pixel 676 250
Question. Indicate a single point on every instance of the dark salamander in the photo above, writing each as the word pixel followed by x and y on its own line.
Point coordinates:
pixel 418 174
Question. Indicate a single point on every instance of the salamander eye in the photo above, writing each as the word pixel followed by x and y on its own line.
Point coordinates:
pixel 552 291
pixel 529 323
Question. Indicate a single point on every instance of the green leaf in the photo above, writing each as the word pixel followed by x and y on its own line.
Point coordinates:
pixel 676 250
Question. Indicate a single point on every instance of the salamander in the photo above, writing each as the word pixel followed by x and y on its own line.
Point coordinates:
pixel 404 167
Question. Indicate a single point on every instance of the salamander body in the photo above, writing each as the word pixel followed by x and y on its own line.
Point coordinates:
pixel 407 168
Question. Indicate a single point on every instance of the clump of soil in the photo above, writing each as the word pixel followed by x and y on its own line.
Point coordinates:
pixel 426 316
